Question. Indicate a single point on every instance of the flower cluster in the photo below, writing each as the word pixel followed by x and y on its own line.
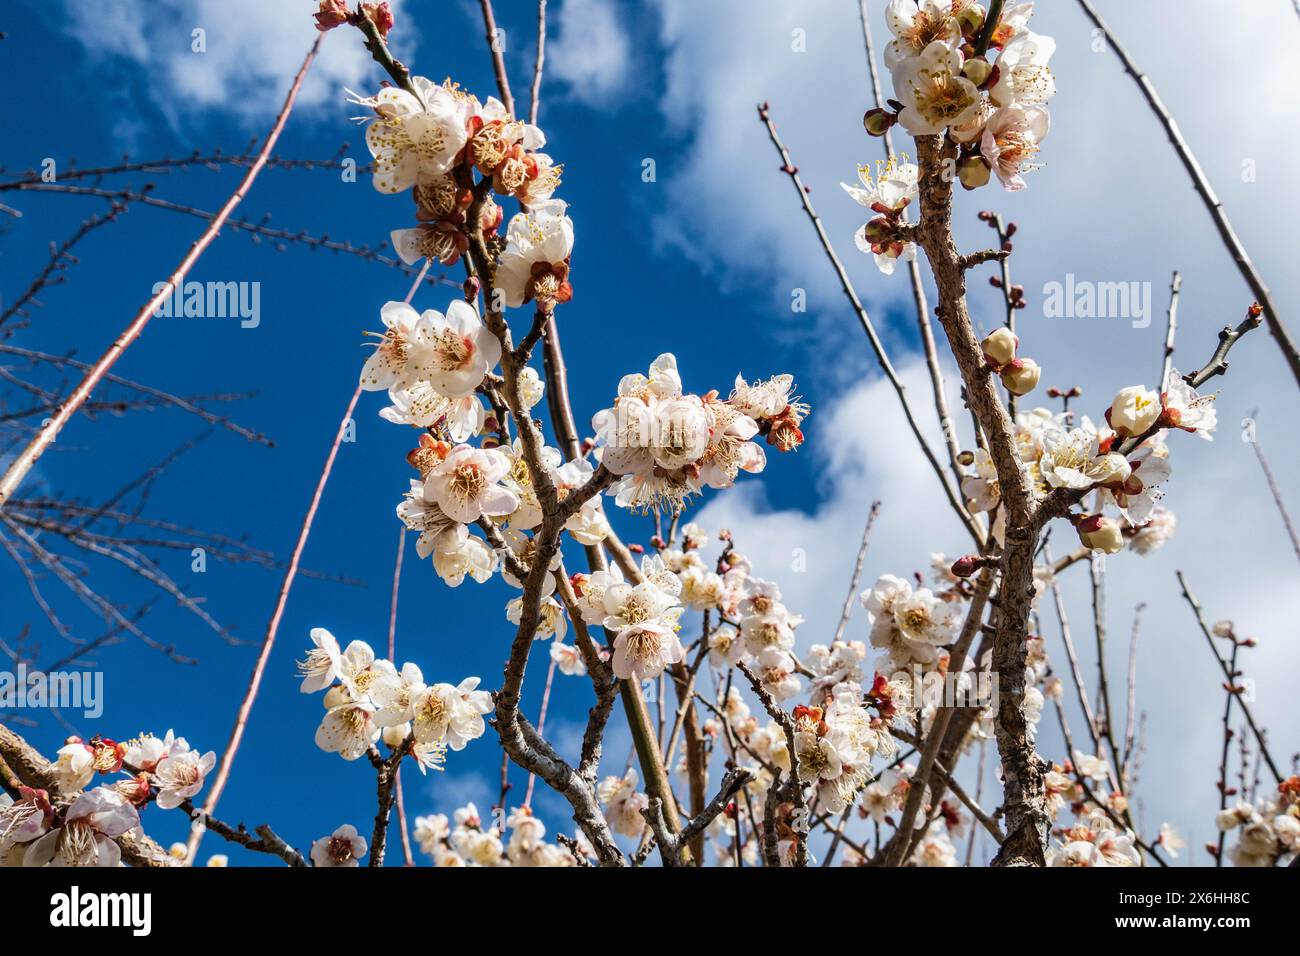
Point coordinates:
pixel 667 445
pixel 1122 462
pixel 1267 832
pixel 641 619
pixel 84 830
pixel 946 78
pixel 368 698
pixel 470 843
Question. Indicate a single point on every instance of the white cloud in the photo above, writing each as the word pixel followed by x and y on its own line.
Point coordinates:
pixel 253 50
pixel 591 53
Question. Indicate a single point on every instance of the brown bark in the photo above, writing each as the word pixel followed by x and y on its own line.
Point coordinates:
pixel 1022 769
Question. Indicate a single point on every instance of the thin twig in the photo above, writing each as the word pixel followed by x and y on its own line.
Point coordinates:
pixel 1273 488
pixel 1171 329
pixel 1203 188
pixel 849 601
pixel 273 626
pixel 1228 675
pixel 877 346
pixel 23 463
pixel 498 60
pixel 541 58
pixel 407 857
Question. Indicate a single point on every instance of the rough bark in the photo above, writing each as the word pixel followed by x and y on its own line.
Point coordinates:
pixel 1024 805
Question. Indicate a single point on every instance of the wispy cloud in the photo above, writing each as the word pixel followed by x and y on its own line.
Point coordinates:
pixel 241 63
pixel 591 53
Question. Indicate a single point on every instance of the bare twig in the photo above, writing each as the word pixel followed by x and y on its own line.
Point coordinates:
pixel 1228 675
pixel 1171 329
pixel 407 857
pixel 1273 488
pixel 498 60
pixel 850 600
pixel 273 626
pixel 1203 188
pixel 23 463
pixel 877 346
pixel 541 58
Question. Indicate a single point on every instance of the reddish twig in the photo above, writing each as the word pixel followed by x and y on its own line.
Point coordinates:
pixel 22 464
pixel 273 626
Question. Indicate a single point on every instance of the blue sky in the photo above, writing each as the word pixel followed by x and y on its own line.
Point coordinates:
pixel 701 262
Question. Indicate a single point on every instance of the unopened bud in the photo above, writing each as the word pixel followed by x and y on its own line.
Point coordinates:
pixel 973 171
pixel 636 549
pixel 878 229
pixel 381 15
pixel 332 13
pixel 977 69
pixel 970 20
pixel 1011 229
pixel 999 347
pixel 877 121
pixel 1101 534
pixel 1021 376
pixel 995 281
pixel 336 696
pixel 393 736
pixel 965 566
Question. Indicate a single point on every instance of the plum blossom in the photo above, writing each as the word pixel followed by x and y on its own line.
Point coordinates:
pixel 89 833
pixel 1011 139
pixel 422 405
pixel 414 137
pixel 466 484
pixel 1071 459
pixel 623 803
pixel 180 776
pixel 1024 78
pixel 344 848
pixel 1185 409
pixel 568 659
pixel 933 91
pixel 915 25
pixel 348 729
pixel 535 263
pixel 643 618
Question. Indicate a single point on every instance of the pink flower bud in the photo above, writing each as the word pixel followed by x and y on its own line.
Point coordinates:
pixel 381 15
pixel 332 13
